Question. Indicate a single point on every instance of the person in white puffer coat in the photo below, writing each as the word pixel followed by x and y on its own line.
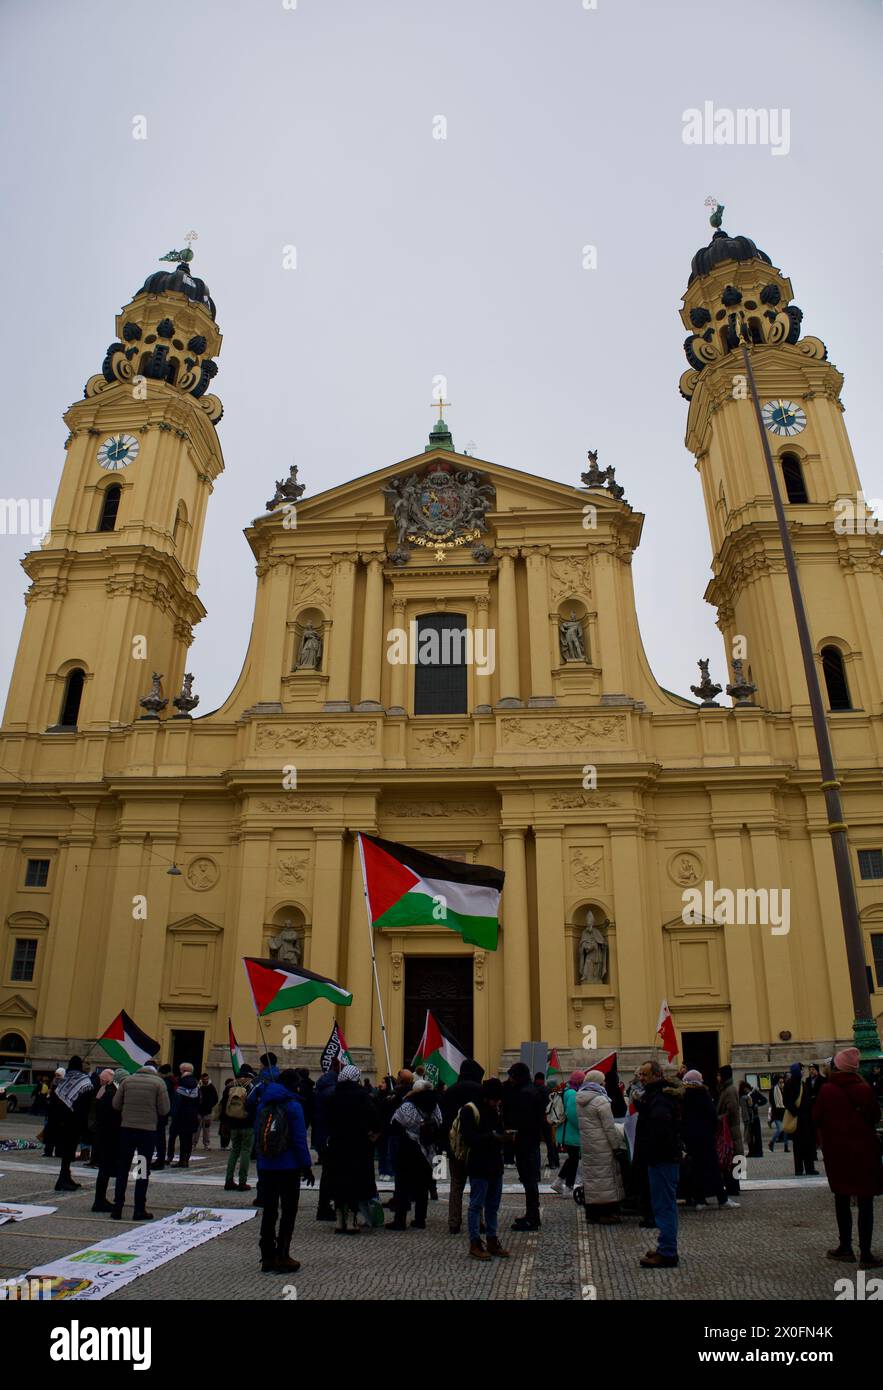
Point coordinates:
pixel 599 1140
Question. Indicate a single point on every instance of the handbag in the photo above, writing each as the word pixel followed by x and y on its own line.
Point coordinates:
pixel 723 1142
pixel 789 1120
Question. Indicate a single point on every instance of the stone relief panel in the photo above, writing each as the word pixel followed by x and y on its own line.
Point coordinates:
pixel 276 738
pixel 564 733
pixel 202 873
pixel 568 576
pixel 312 584
pixel 576 800
pixel 292 867
pixel 587 866
pixel 686 868
pixel 293 805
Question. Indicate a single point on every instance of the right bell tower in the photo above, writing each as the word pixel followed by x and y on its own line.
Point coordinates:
pixel 735 292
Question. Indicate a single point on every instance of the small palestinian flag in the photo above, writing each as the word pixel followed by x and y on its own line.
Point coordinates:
pixel 126 1044
pixel 273 987
pixel 335 1050
pixel 438 1053
pixel 407 888
pixel 237 1061
pixel 553 1067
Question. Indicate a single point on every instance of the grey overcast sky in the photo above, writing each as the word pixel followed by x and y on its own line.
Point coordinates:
pixel 271 124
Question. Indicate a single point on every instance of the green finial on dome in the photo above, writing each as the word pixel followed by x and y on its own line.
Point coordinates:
pixel 717 215
pixel 440 436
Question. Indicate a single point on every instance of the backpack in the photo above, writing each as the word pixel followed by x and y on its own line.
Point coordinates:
pixel 235 1106
pixel 459 1149
pixel 272 1131
pixel 555 1109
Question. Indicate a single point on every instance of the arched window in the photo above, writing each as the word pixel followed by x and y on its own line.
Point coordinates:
pixel 73 694
pixel 440 669
pixel 792 473
pixel 109 508
pixel 835 679
pixel 12 1047
pixel 180 523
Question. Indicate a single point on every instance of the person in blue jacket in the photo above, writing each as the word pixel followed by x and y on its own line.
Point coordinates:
pixel 283 1159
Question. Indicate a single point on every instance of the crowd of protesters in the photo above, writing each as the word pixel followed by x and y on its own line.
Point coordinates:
pixel 668 1139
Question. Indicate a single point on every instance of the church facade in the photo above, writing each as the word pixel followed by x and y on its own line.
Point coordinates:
pixel 445 653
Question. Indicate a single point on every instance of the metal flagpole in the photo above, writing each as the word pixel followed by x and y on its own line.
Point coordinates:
pixel 864 1027
pixel 373 955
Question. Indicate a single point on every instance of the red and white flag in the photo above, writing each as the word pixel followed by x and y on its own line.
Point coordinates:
pixel 665 1029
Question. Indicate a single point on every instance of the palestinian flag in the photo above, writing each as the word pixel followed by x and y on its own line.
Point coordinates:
pixel 126 1044
pixel 236 1058
pixel 553 1067
pixel 407 888
pixel 273 987
pixel 438 1053
pixel 335 1050
pixel 612 1085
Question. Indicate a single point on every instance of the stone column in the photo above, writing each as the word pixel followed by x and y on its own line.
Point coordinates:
pixel 398 671
pixel 777 950
pixel 61 944
pixel 516 944
pixel 551 937
pixel 638 1006
pixel 538 629
pixel 610 657
pixel 325 949
pixel 340 658
pixel 506 635
pixel 482 692
pixel 745 1006
pixel 246 903
pixel 372 637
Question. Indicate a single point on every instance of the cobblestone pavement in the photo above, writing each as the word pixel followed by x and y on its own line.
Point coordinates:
pixel 773 1247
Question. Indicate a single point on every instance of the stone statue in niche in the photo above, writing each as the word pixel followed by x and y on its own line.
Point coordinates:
pixel 570 633
pixel 287 947
pixel 593 952
pixel 309 656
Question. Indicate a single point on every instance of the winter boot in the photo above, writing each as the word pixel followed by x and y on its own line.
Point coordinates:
pixel 495 1248
pixel 101 1203
pixel 477 1250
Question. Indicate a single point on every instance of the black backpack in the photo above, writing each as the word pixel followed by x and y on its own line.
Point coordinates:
pixel 272 1130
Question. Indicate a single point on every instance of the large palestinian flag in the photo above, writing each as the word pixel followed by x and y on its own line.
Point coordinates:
pixel 438 1053
pixel 274 987
pixel 407 888
pixel 126 1044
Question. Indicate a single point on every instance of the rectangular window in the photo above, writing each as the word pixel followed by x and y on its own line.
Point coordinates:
pixel 440 670
pixel 24 959
pixel 870 863
pixel 877 953
pixel 37 873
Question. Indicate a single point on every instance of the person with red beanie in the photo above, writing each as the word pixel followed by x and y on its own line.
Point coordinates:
pixel 845 1115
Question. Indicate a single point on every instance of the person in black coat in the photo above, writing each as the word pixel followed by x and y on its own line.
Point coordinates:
pixel 525 1117
pixel 106 1128
pixel 659 1137
pixel 798 1099
pixel 71 1100
pixel 700 1173
pixel 352 1124
pixel 467 1087
pixel 481 1129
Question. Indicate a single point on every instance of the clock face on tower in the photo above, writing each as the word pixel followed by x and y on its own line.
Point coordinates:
pixel 783 417
pixel 118 451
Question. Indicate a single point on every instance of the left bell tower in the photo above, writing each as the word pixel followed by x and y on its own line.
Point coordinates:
pixel 113 594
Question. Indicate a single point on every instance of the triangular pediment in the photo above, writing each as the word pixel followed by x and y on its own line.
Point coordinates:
pixel 14 1006
pixel 362 498
pixel 198 926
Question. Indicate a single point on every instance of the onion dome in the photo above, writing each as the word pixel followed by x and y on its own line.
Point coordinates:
pixel 724 247
pixel 179 281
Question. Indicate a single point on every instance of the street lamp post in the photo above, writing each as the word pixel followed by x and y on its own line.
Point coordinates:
pixel 864 1026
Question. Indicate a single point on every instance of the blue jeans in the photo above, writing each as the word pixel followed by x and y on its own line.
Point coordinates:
pixel 779 1134
pixel 485 1195
pixel 664 1195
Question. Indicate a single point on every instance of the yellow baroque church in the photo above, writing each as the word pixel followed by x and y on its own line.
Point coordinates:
pixel 146 850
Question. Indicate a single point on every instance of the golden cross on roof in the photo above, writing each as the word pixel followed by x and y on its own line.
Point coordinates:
pixel 439 405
